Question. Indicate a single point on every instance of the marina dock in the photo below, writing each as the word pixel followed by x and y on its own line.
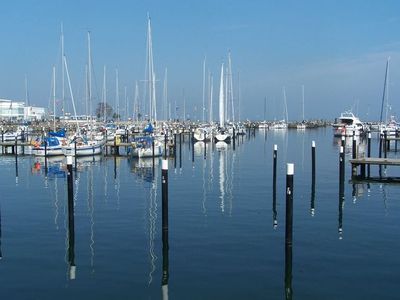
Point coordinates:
pixel 368 161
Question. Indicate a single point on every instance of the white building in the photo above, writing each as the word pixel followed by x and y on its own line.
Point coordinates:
pixel 32 113
pixel 16 111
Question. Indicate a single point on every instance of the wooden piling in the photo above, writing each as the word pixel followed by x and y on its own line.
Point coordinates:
pixel 369 153
pixel 180 149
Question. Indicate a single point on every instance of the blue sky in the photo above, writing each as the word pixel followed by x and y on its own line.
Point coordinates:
pixel 337 49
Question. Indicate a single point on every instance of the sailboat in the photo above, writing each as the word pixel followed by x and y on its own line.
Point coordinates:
pixel 80 145
pixel 222 134
pixel 282 124
pixel 302 125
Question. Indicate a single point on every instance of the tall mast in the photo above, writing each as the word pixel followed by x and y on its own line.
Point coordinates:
pixel 72 95
pixel 204 86
pixel 136 102
pixel 89 75
pixel 117 95
pixel 150 74
pixel 285 105
pixel 221 99
pixel 86 91
pixel 385 87
pixel 239 91
pixel 54 98
pixel 230 87
pixel 62 72
pixel 208 94
pixel 165 95
pixel 302 97
pixel 126 103
pixel 104 95
pixel 211 97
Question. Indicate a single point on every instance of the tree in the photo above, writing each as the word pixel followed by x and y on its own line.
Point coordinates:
pixel 104 110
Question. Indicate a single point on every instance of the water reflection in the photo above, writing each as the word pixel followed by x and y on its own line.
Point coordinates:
pixel 1 252
pixel 152 214
pixel 222 153
pixel 90 207
pixel 288 272
pixel 341 206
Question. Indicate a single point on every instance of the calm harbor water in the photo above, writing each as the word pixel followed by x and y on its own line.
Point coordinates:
pixel 222 242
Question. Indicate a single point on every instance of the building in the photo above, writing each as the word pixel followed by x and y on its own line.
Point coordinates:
pixel 17 111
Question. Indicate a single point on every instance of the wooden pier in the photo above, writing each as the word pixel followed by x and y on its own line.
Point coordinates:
pixel 367 161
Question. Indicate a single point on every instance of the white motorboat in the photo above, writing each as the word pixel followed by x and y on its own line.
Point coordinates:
pixel 348 125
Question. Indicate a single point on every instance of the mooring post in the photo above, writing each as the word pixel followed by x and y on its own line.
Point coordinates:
pixel 234 138
pixel 354 147
pixel 75 157
pixel 153 149
pixel 16 149
pixel 164 191
pixel 369 153
pixel 313 160
pixel 395 141
pixel 45 158
pixel 341 165
pixel 165 143
pixel 289 204
pixel 175 144
pixel 313 178
pixel 192 142
pixel 289 230
pixel 386 147
pixel 71 225
pixel 180 149
pixel 165 246
pixel 2 140
pixel 343 141
pixel 275 157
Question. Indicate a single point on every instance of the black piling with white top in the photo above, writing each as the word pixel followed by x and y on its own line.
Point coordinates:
pixel 312 178
pixel 289 230
pixel 275 157
pixel 71 222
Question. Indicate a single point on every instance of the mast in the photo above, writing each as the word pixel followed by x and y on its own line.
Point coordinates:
pixel 62 72
pixel 230 87
pixel 204 86
pixel 149 72
pixel 221 99
pixel 117 95
pixel 86 90
pixel 136 103
pixel 211 97
pixel 72 95
pixel 54 98
pixel 126 103
pixel 285 105
pixel 302 97
pixel 385 86
pixel 89 76
pixel 165 95
pixel 239 91
pixel 104 95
